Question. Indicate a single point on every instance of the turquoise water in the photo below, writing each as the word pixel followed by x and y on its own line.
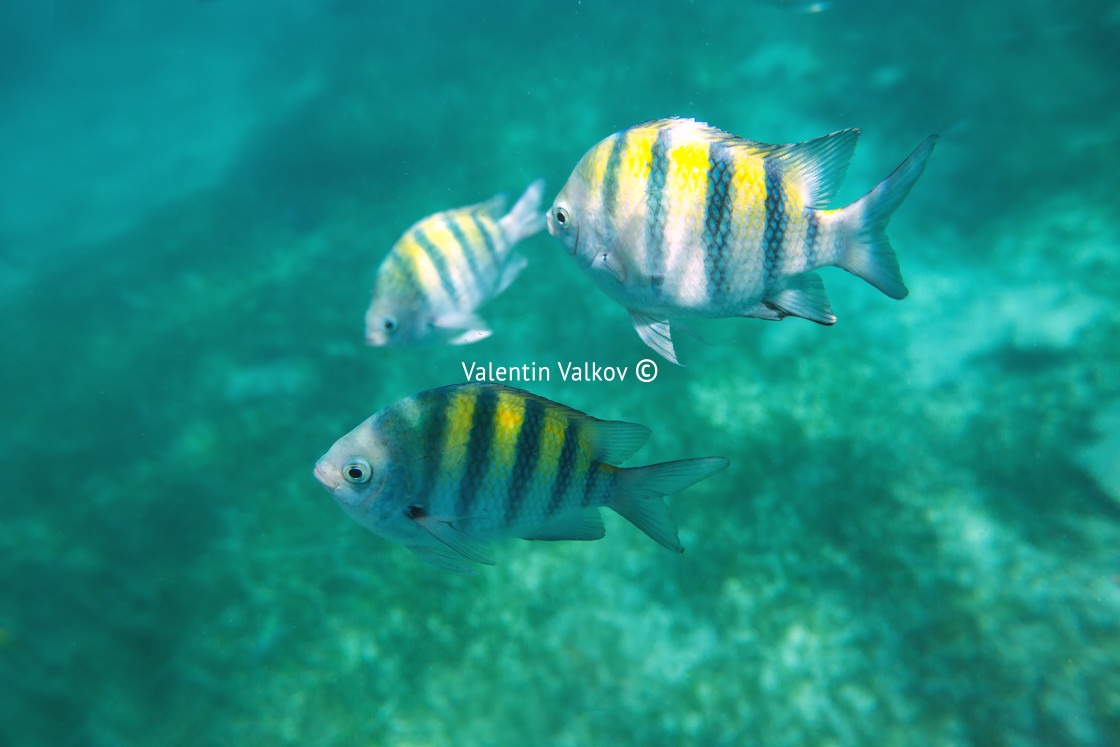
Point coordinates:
pixel 915 542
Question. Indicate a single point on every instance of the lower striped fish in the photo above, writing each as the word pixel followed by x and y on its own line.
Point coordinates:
pixel 445 267
pixel 446 471
pixel 674 218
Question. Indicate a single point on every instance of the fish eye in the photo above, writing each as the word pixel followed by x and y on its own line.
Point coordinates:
pixel 563 219
pixel 389 324
pixel 357 471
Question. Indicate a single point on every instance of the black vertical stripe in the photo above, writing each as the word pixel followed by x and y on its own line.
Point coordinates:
pixel 491 247
pixel 811 238
pixel 717 219
pixel 590 483
pixel 775 220
pixel 464 247
pixel 432 425
pixel 406 272
pixel 564 469
pixel 440 264
pixel 476 458
pixel 610 173
pixel 657 209
pixel 527 455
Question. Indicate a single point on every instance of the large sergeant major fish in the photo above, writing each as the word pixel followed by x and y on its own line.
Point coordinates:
pixel 444 267
pixel 446 471
pixel 674 218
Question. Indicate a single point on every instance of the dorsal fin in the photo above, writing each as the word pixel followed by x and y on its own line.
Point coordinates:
pixel 613 441
pixel 818 166
pixel 494 208
pixel 815 166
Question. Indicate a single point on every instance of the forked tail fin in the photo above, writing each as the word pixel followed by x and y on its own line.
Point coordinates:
pixel 867 252
pixel 641 488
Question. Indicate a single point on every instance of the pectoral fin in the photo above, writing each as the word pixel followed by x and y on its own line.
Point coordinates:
pixel 618 256
pixel 608 264
pixel 471 327
pixel 655 333
pixel 469 547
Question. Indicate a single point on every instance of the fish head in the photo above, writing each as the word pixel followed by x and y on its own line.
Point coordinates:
pixel 568 220
pixel 581 221
pixel 361 473
pixel 396 320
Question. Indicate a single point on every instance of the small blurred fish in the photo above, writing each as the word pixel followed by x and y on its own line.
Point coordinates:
pixel 446 266
pixel 447 470
pixel 674 218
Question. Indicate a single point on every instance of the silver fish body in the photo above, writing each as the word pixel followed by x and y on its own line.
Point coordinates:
pixel 445 267
pixel 449 470
pixel 674 218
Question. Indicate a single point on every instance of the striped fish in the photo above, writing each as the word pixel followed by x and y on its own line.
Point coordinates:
pixel 446 471
pixel 446 266
pixel 674 218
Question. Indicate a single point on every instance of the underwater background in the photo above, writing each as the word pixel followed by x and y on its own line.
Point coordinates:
pixel 916 541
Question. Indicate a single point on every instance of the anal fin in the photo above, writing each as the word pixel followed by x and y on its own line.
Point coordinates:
pixel 470 326
pixel 469 547
pixel 514 265
pixel 443 558
pixel 585 524
pixel 803 296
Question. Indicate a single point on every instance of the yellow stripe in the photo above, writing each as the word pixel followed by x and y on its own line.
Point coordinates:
pixel 553 425
pixel 442 239
pixel 456 434
pixel 682 266
pixel 748 185
pixel 687 181
pixel 633 172
pixel 688 168
pixel 508 418
pixel 420 265
pixel 449 248
pixel 596 163
pixel 637 159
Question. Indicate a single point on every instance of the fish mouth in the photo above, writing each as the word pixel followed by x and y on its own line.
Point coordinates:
pixel 321 476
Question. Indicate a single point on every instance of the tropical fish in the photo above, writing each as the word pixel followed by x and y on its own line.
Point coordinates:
pixel 447 265
pixel 446 471
pixel 674 218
